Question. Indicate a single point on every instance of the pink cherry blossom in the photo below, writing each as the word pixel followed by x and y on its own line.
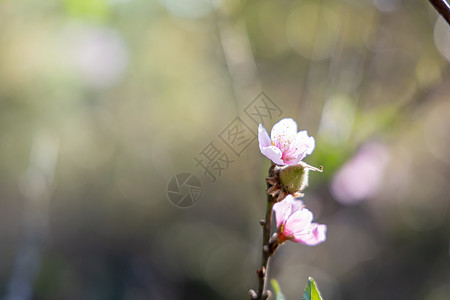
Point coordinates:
pixel 294 223
pixel 285 146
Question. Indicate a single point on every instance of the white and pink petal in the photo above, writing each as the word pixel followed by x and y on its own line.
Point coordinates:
pixel 298 222
pixel 263 137
pixel 285 208
pixel 272 153
pixel 283 133
pixel 282 211
pixel 315 234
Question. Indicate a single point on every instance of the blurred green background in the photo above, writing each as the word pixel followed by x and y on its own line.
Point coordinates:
pixel 102 102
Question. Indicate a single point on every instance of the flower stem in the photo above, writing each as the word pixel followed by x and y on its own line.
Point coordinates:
pixel 266 251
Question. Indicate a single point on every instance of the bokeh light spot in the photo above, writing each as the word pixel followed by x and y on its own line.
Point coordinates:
pixel 442 38
pixel 312 31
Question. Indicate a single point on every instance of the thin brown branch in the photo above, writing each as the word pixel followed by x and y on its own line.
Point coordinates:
pixel 263 270
pixel 267 251
pixel 443 8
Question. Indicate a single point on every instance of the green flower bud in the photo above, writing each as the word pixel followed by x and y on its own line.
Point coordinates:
pixel 294 178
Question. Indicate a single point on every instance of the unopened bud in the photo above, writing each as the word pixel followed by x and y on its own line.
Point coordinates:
pixel 294 178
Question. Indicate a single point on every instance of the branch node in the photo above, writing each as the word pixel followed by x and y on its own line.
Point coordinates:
pixel 261 272
pixel 267 294
pixel 252 295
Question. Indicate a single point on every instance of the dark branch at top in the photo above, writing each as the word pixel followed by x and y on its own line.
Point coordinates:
pixel 443 8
